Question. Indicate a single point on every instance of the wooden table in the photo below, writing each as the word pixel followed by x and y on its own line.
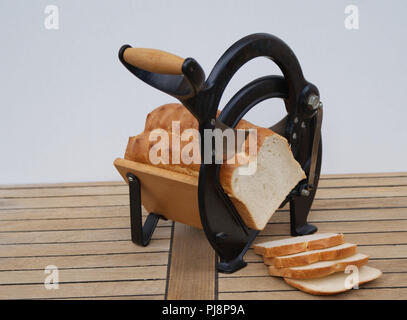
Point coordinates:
pixel 83 229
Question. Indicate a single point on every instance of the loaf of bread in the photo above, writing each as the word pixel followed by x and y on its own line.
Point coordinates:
pixel 256 196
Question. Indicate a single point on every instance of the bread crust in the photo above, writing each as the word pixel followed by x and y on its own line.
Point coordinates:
pixel 329 242
pixel 311 257
pixel 316 272
pixel 292 248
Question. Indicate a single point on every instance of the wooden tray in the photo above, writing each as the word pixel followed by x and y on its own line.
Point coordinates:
pixel 171 194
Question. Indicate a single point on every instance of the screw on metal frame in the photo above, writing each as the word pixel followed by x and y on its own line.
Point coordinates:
pixel 313 101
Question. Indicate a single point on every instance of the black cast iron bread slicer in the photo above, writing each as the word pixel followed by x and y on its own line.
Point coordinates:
pixel 185 80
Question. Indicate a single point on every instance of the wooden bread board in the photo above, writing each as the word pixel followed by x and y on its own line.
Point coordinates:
pixel 171 194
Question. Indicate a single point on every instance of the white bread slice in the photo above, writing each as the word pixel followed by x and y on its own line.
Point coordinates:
pixel 256 196
pixel 319 269
pixel 334 283
pixel 292 245
pixel 308 257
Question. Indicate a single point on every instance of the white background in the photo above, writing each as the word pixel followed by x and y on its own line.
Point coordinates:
pixel 68 106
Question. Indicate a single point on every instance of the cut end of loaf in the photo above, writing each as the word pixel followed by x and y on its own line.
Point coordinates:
pixel 263 192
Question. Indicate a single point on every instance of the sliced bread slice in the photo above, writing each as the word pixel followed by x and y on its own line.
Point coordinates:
pixel 308 257
pixel 292 245
pixel 319 269
pixel 334 283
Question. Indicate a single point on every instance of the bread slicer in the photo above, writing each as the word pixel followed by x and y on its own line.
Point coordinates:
pixel 203 203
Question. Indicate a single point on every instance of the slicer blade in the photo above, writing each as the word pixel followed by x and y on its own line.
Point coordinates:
pixel 280 126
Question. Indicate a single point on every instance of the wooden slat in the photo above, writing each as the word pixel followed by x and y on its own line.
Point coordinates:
pixel 344 227
pixel 362 238
pixel 70 214
pixel 64 213
pixel 364 175
pixel 29 250
pixel 387 251
pixel 65 202
pixel 74 236
pixel 361 192
pixel 252 284
pixel 84 190
pixel 85 261
pixel 192 272
pixel 84 289
pixel 252 270
pixel 390 265
pixel 346 215
pixel 361 294
pixel 120 297
pixel 362 182
pixel 86 275
pixel 65 224
pixel 62 185
pixel 355 204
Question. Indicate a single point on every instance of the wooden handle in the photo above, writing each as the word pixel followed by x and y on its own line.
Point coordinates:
pixel 153 60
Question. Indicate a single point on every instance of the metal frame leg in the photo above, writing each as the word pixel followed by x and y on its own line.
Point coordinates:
pixel 140 234
pixel 299 210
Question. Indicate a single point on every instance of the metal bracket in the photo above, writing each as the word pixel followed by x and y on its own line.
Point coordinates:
pixel 140 234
